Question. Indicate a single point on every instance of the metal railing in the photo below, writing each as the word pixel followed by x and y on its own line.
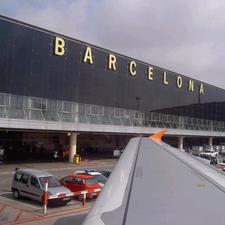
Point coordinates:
pixel 31 108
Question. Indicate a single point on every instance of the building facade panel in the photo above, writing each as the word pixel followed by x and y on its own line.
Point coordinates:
pixel 30 67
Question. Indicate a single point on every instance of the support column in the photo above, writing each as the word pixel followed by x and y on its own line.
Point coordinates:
pixel 181 143
pixel 73 146
pixel 210 140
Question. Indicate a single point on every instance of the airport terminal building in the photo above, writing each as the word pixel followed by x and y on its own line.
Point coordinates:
pixel 58 93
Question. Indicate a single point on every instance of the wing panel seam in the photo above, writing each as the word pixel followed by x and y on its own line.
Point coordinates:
pixel 131 185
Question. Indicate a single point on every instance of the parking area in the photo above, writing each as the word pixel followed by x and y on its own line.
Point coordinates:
pixel 25 211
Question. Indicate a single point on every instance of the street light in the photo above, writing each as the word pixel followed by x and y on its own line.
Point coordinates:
pixel 138 102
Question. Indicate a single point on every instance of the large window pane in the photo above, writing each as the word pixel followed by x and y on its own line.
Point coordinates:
pixel 16 102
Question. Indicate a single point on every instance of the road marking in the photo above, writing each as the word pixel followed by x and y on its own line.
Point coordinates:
pixel 66 168
pixel 3 207
pixel 77 168
pixel 19 202
pixel 5 193
pixel 52 215
pixel 6 173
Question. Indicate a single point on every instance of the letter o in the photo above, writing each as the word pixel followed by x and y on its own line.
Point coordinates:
pixel 179 81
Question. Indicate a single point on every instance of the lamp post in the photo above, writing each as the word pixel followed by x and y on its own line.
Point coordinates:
pixel 138 102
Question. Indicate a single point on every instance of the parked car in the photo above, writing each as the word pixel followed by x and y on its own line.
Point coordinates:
pixel 81 182
pixel 117 153
pixel 214 160
pixel 218 161
pixel 98 176
pixel 208 154
pixel 30 183
pixel 106 173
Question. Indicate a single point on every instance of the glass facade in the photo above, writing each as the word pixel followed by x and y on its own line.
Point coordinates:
pixel 30 108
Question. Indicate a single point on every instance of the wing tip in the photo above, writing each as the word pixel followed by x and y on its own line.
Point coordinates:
pixel 158 136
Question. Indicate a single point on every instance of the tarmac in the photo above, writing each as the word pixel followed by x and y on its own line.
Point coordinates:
pixel 55 165
pixel 26 211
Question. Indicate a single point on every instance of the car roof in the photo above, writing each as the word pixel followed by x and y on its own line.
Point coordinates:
pixel 94 173
pixel 82 175
pixel 34 172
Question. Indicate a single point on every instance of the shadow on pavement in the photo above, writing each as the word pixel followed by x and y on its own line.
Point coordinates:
pixel 71 220
pixel 33 203
pixel 22 200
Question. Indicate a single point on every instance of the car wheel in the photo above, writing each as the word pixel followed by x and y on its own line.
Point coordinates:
pixel 16 194
pixel 66 202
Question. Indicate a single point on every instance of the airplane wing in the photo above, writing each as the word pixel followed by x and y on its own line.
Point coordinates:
pixel 156 184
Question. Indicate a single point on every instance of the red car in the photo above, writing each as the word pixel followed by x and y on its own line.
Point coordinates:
pixel 81 182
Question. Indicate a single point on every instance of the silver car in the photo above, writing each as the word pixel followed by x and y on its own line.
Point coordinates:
pixel 30 183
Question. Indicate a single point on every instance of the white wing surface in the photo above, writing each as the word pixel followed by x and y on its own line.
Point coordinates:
pixel 156 184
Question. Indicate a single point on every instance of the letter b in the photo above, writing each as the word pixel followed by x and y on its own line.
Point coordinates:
pixel 59 46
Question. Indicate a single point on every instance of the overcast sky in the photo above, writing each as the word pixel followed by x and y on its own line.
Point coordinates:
pixel 186 36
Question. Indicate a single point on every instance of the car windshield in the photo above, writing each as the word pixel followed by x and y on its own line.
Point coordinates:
pixel 52 181
pixel 91 181
pixel 100 178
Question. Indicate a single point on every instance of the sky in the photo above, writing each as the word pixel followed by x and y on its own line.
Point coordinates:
pixel 185 36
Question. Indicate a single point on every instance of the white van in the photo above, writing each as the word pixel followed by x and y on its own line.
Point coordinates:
pixel 30 183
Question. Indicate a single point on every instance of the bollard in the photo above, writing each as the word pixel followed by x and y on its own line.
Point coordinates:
pixel 84 198
pixel 45 197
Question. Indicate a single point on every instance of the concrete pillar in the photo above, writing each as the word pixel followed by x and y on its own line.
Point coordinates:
pixel 73 146
pixel 181 142
pixel 210 140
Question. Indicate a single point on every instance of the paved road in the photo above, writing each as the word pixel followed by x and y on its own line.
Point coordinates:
pixel 29 212
pixel 71 220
